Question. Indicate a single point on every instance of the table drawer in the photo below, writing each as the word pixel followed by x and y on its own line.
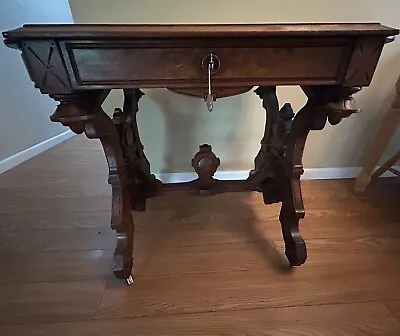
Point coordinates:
pixel 182 67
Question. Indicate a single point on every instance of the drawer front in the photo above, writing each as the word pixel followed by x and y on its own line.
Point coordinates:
pixel 108 66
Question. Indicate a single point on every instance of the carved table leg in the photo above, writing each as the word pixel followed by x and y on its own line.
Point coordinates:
pixel 279 165
pixel 292 209
pixel 82 112
pixel 324 103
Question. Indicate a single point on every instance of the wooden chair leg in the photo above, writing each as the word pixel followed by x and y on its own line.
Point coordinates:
pixel 386 166
pixel 386 130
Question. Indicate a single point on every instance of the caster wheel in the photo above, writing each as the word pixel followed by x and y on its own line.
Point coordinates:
pixel 129 280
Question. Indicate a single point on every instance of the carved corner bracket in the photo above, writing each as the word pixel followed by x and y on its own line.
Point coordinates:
pixel 335 102
pixel 74 110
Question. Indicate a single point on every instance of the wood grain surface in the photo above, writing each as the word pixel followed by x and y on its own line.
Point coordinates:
pixel 204 266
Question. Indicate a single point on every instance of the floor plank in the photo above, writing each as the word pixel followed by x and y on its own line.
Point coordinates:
pixel 352 226
pixel 201 226
pixel 394 307
pixel 55 266
pixel 76 177
pixel 192 259
pixel 355 320
pixel 358 251
pixel 54 220
pixel 79 203
pixel 261 288
pixel 56 240
pixel 49 301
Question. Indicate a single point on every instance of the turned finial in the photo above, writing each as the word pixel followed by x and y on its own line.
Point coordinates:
pixel 205 164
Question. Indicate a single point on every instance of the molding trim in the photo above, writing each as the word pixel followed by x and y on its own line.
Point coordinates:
pixel 30 152
pixel 309 174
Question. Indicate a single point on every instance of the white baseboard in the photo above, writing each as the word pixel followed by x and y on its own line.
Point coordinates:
pixel 189 176
pixel 30 152
pixel 309 174
pixel 336 173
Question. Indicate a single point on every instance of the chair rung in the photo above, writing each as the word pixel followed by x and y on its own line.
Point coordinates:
pixel 394 171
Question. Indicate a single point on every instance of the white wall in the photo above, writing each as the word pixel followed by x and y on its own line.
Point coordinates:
pixel 24 111
pixel 173 126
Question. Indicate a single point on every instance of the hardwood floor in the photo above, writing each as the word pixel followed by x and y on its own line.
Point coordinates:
pixel 204 266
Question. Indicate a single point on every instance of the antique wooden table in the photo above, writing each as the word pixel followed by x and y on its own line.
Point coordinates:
pixel 78 65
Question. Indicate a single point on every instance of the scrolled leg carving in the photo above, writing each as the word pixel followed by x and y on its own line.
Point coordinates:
pixel 282 152
pixel 82 112
pixel 146 185
pixel 292 209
